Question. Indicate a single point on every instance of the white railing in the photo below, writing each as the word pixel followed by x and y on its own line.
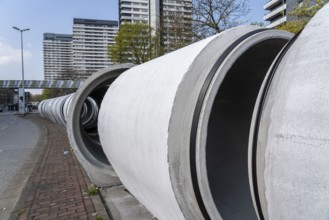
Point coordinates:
pixel 270 4
pixel 275 12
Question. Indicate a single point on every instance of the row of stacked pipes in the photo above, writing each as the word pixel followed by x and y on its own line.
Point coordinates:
pixel 231 127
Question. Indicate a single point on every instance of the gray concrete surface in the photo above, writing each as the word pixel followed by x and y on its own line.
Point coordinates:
pixel 18 155
pixel 84 142
pixel 123 206
pixel 147 114
pixel 292 142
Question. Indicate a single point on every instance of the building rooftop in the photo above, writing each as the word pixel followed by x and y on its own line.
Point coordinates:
pixel 61 37
pixel 95 22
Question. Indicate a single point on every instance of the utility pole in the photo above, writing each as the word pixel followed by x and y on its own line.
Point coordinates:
pixel 23 82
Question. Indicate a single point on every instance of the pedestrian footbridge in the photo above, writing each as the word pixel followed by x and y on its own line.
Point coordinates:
pixel 41 84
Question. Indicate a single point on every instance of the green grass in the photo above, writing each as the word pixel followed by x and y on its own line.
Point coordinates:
pixel 92 190
pixel 98 217
pixel 20 211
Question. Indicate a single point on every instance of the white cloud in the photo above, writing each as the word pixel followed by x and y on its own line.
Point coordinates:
pixel 10 55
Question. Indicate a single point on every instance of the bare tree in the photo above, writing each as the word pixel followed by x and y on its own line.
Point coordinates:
pixel 175 30
pixel 71 74
pixel 176 25
pixel 213 16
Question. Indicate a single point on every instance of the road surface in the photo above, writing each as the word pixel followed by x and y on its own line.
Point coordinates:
pixel 19 136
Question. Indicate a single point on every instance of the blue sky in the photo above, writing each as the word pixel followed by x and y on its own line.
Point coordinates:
pixel 52 16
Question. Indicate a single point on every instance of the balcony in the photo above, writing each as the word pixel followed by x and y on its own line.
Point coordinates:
pixel 274 13
pixel 271 4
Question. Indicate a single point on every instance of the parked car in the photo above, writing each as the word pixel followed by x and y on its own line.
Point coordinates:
pixel 1 109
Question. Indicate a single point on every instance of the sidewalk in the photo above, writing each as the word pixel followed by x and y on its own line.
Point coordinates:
pixel 57 186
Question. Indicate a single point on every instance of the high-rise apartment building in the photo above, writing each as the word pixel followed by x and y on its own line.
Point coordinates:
pixel 279 11
pixel 175 23
pixel 171 18
pixel 57 56
pixel 91 39
pixel 133 11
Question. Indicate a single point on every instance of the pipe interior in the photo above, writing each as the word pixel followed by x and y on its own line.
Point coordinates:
pixel 89 131
pixel 228 130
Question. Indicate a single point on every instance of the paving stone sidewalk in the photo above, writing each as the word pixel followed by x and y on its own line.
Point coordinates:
pixel 57 187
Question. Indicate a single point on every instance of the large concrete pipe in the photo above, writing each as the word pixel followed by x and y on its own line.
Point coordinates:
pixel 53 109
pixel 290 138
pixel 58 107
pixel 82 125
pixel 49 110
pixel 41 108
pixel 89 114
pixel 176 128
pixel 66 106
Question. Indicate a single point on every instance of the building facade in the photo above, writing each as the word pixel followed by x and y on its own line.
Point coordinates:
pixel 57 56
pixel 172 19
pixel 133 11
pixel 278 11
pixel 91 39
pixel 175 23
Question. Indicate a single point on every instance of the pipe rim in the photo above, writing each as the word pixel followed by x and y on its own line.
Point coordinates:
pixel 206 108
pixel 101 173
pixel 258 186
pixel 186 96
pixel 180 171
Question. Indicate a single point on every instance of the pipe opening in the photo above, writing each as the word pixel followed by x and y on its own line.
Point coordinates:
pixel 88 123
pixel 82 124
pixel 228 131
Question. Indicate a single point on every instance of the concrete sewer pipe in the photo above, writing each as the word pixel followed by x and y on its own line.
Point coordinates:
pixel 82 131
pixel 176 129
pixel 79 113
pixel 231 127
pixel 53 109
pixel 56 109
pixel 289 143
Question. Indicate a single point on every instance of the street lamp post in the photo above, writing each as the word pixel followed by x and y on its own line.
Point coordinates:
pixel 23 83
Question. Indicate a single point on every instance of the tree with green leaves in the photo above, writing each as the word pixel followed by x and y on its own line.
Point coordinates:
pixel 302 13
pixel 35 98
pixel 53 93
pixel 135 43
pixel 260 24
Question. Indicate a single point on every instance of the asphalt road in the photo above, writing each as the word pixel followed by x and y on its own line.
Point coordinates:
pixel 18 138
